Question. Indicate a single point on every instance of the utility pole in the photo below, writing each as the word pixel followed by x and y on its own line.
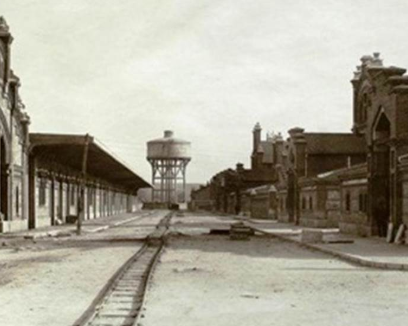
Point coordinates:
pixel 83 182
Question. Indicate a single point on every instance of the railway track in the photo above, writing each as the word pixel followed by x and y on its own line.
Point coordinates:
pixel 120 302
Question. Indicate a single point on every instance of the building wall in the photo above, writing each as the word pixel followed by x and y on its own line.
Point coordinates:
pixel 246 204
pixel 353 216
pixel 201 199
pixel 333 205
pixel 319 204
pixel 282 206
pixel 67 197
pixel 312 206
pixel 263 205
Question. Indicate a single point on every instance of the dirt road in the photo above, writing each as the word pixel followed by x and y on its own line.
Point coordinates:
pixel 215 281
pixel 52 281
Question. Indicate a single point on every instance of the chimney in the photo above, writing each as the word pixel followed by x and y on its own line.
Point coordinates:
pixel 168 134
pixel 257 136
pixel 240 167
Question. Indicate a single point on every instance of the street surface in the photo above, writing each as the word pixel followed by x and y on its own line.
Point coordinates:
pixel 214 281
pixel 52 281
pixel 201 279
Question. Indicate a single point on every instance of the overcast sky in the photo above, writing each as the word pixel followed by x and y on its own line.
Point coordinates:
pixel 208 69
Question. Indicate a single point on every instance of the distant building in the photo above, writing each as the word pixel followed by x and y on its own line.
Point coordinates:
pixel 217 193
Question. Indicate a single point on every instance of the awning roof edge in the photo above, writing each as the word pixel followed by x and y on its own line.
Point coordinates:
pixel 101 161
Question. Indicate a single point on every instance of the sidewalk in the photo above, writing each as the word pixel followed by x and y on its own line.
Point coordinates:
pixel 88 226
pixel 369 252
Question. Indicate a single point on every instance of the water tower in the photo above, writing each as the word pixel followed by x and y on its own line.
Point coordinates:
pixel 168 157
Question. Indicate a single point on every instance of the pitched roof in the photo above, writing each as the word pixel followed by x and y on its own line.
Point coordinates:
pixel 334 143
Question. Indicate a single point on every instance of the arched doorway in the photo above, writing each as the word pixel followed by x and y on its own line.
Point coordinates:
pixel 4 197
pixel 380 175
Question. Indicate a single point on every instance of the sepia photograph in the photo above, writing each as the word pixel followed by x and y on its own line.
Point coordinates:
pixel 203 162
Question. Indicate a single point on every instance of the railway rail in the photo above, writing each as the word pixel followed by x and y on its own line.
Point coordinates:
pixel 120 302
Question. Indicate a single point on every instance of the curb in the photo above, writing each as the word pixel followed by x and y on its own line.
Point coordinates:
pixel 340 255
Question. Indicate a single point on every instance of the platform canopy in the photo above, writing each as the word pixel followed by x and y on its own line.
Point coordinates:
pixel 68 150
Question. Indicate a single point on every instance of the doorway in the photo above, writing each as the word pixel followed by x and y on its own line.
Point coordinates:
pixel 4 181
pixel 380 188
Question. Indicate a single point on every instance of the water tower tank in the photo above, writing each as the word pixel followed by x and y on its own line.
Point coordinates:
pixel 168 157
pixel 168 147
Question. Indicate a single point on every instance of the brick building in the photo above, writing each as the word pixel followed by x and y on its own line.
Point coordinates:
pixel 308 155
pixel 364 198
pixel 380 108
pixel 226 189
pixel 357 181
pixel 14 122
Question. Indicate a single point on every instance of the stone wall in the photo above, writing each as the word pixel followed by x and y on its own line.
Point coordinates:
pixel 353 216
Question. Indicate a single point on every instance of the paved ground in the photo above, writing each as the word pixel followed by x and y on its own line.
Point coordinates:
pixel 211 280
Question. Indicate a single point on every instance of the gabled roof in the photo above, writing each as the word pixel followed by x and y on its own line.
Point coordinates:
pixel 334 143
pixel 68 150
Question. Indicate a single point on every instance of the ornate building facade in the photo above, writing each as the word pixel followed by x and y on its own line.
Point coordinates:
pixel 14 123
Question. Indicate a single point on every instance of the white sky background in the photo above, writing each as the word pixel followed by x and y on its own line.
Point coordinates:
pixel 208 69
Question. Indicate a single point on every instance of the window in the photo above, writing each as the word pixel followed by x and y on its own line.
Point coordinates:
pixel 362 202
pixel 17 201
pixel 311 203
pixel 42 192
pixel 348 202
